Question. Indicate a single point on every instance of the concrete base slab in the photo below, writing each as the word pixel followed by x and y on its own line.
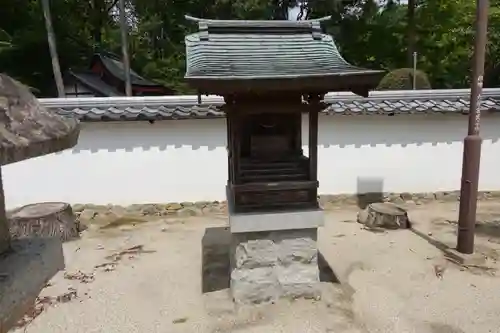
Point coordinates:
pixel 256 222
pixel 474 259
pixel 24 272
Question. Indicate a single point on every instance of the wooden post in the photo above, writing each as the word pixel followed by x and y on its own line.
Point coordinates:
pixel 236 145
pixel 472 142
pixel 411 32
pixel 126 59
pixel 229 147
pixel 313 142
pixel 53 49
pixel 297 140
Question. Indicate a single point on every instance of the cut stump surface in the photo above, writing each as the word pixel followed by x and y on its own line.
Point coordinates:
pixel 47 219
pixel 384 215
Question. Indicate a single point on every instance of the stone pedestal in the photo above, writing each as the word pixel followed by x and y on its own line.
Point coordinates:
pixel 269 265
pixel 4 236
pixel 24 272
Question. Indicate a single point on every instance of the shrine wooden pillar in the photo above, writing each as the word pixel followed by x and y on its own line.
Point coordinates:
pixel 315 106
pixel 313 144
pixel 228 147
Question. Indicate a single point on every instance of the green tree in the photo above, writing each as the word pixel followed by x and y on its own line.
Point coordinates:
pixel 5 40
pixel 367 35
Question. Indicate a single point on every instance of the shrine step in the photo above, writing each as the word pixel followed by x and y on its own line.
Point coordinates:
pixel 286 185
pixel 252 165
pixel 264 171
pixel 274 207
pixel 273 178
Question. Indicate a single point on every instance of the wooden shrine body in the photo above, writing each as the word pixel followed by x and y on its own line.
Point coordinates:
pixel 268 171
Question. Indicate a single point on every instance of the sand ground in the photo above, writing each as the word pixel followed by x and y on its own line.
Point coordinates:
pixel 168 276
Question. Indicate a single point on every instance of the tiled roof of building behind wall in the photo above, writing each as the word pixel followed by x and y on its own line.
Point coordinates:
pixel 186 107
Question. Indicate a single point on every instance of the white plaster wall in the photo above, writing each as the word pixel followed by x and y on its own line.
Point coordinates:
pixel 185 160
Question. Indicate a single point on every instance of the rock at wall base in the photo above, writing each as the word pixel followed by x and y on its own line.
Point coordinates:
pixel 88 212
pixel 266 266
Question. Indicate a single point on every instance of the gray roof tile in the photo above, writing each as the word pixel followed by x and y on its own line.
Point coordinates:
pixel 95 83
pixel 241 56
pixel 247 52
pixel 115 66
pixel 187 107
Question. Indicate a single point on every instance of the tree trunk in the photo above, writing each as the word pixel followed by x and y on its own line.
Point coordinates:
pixel 97 36
pixel 53 49
pixel 126 59
pixel 280 9
pixel 384 215
pixel 47 219
pixel 411 32
pixel 97 11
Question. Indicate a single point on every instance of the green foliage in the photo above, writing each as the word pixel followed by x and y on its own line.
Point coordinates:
pixel 5 40
pixel 402 79
pixel 367 36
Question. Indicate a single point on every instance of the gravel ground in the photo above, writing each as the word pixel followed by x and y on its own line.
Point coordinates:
pixel 151 277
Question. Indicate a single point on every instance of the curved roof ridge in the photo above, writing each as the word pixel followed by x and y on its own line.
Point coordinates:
pixel 256 23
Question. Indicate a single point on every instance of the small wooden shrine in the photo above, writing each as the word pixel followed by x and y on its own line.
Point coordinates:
pixel 270 74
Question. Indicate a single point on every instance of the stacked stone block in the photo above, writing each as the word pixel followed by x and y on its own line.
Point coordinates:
pixel 271 265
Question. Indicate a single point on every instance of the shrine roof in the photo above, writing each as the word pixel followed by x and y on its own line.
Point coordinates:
pixel 28 129
pixel 230 56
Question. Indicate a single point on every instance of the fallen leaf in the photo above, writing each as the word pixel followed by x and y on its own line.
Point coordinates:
pixel 179 320
pixel 107 266
pixel 134 250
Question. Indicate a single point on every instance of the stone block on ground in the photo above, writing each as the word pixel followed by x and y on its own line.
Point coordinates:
pixel 255 253
pixel 384 215
pixel 46 219
pixel 296 247
pixel 299 280
pixel 254 285
pixel 271 265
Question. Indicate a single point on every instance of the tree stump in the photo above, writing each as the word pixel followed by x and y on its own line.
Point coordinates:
pixel 46 219
pixel 384 215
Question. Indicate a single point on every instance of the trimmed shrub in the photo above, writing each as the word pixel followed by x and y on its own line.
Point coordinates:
pixel 402 79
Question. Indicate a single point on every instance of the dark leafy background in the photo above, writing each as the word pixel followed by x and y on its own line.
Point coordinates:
pixel 367 34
